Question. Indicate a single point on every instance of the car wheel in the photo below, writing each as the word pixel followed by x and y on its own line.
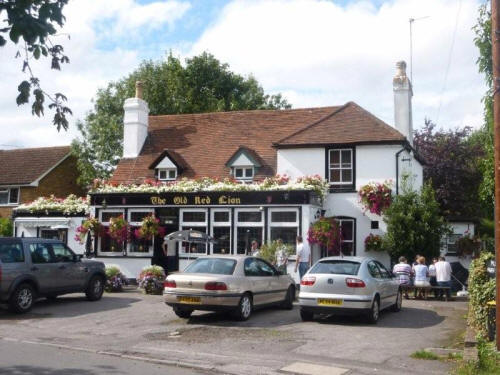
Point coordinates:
pixel 95 288
pixel 245 307
pixel 22 299
pixel 399 302
pixel 306 316
pixel 182 313
pixel 289 298
pixel 374 312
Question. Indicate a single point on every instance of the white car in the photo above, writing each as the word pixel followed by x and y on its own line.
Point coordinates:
pixel 348 285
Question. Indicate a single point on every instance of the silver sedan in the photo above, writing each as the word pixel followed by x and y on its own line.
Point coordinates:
pixel 348 285
pixel 231 283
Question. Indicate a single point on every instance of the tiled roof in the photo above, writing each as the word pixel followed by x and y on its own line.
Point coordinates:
pixel 207 141
pixel 23 166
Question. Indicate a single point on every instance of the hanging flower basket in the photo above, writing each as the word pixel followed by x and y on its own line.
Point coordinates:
pixel 376 197
pixel 326 232
pixel 118 229
pixel 373 242
pixel 468 245
pixel 90 225
pixel 150 228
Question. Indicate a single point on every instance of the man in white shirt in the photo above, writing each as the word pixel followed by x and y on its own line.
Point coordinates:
pixel 443 275
pixel 303 259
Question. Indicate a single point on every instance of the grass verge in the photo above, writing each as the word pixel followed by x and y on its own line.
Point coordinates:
pixel 424 354
pixel 487 364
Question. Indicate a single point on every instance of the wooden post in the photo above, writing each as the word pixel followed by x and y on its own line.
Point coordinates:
pixel 495 43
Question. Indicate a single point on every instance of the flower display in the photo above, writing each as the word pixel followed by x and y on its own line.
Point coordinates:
pixel 151 279
pixel 118 229
pixel 468 245
pixel 206 184
pixel 376 197
pixel 115 279
pixel 91 224
pixel 66 206
pixel 150 227
pixel 373 242
pixel 326 232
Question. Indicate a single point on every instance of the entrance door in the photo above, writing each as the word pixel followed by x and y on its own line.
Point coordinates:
pixel 169 220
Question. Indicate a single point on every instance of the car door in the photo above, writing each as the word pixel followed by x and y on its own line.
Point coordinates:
pixel 275 290
pixel 43 267
pixel 387 283
pixel 378 281
pixel 72 274
pixel 259 284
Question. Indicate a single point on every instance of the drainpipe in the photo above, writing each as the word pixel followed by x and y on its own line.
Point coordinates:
pixel 397 169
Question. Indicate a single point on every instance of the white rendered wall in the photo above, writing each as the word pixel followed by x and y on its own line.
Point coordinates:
pixel 299 162
pixel 131 267
pixel 135 126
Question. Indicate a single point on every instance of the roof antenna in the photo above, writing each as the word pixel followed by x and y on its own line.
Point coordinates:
pixel 411 20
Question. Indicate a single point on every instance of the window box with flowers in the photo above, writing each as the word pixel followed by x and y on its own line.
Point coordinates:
pixel 326 233
pixel 373 242
pixel 375 197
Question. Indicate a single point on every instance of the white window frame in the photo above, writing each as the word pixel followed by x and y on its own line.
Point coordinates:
pixel 282 224
pixel 226 224
pixel 330 168
pixel 238 223
pixel 243 168
pixel 192 225
pixel 106 224
pixel 138 224
pixel 167 172
pixel 8 191
pixel 353 241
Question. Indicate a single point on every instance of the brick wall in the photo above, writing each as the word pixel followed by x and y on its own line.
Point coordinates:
pixel 61 182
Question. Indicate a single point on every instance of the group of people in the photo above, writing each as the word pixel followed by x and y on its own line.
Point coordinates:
pixel 438 273
pixel 303 256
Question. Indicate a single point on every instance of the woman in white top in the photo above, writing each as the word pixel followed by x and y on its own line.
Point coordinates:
pixel 421 274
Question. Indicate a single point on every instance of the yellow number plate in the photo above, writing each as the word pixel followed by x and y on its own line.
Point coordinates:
pixel 191 300
pixel 329 302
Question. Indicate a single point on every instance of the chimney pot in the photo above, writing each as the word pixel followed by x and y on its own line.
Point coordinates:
pixel 403 93
pixel 138 89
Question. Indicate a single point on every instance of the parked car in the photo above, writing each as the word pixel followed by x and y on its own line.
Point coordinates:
pixel 348 285
pixel 35 267
pixel 228 283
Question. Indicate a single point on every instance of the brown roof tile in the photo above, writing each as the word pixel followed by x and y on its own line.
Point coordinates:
pixel 207 141
pixel 23 166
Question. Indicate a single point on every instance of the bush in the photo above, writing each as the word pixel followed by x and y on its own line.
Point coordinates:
pixel 115 279
pixel 5 227
pixel 481 290
pixel 151 279
pixel 268 251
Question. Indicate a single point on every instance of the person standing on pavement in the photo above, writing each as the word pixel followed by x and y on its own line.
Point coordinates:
pixel 443 275
pixel 303 259
pixel 402 270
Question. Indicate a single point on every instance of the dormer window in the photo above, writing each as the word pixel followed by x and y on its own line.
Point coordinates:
pixel 243 164
pixel 167 174
pixel 243 173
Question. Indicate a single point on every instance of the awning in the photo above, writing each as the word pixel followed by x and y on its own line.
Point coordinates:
pixel 34 222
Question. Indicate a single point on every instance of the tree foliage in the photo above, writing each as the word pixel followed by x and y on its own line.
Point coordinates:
pixel 414 223
pixel 202 84
pixel 30 25
pixel 452 162
pixel 6 227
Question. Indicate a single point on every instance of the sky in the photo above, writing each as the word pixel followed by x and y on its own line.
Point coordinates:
pixel 315 52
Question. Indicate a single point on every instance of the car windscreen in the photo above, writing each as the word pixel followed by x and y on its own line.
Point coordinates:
pixel 339 267
pixel 217 266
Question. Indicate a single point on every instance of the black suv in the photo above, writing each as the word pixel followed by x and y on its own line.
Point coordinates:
pixel 36 267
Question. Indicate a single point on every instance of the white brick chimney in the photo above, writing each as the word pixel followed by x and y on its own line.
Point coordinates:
pixel 135 123
pixel 403 92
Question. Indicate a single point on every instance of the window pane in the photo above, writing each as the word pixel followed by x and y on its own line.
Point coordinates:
pixel 49 234
pixel 346 175
pixel 11 253
pixel 162 174
pixel 284 216
pixel 265 269
pixel 108 244
pixel 171 174
pixel 215 266
pixel 193 217
pixel 61 253
pixel 40 253
pixel 138 216
pixel 374 271
pixel 334 158
pixel 238 172
pixel 245 236
pixel 250 216
pixel 347 228
pixel 335 175
pixel 346 158
pixel 14 195
pixel 286 234
pixel 347 248
pixel 221 216
pixel 108 215
pixel 339 267
pixel 248 172
pixel 139 245
pixel 4 196
pixel 223 237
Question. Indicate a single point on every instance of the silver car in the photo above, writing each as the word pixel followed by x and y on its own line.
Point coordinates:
pixel 228 283
pixel 348 285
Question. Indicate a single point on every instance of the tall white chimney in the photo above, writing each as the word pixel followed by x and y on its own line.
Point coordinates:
pixel 403 92
pixel 135 123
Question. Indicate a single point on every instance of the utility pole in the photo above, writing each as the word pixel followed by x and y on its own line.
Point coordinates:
pixel 495 44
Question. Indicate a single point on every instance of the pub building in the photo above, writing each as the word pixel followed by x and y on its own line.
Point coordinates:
pixel 345 145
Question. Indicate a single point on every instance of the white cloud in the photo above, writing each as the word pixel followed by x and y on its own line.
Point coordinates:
pixel 321 53
pixel 94 26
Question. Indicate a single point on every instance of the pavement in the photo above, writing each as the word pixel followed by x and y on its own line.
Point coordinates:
pixel 131 325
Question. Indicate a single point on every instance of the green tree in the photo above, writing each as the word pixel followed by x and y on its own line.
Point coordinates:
pixel 5 227
pixel 414 223
pixel 30 25
pixel 203 84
